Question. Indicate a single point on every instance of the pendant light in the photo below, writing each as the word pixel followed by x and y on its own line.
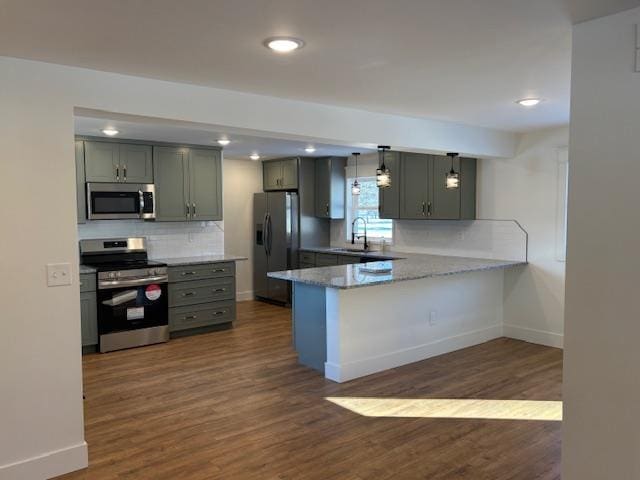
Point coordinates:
pixel 452 179
pixel 383 175
pixel 355 187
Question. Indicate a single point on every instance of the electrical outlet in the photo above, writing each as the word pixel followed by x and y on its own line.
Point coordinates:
pixel 433 317
pixel 58 274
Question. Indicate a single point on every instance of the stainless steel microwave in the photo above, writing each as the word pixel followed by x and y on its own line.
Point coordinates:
pixel 115 201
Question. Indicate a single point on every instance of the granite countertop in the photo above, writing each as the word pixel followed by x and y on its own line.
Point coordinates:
pixel 199 260
pixel 412 266
pixel 86 269
pixel 361 253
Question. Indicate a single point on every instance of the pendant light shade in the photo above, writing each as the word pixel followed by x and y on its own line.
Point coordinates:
pixel 452 179
pixel 355 186
pixel 383 175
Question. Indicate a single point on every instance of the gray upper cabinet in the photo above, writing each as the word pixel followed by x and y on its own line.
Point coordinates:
pixel 414 182
pixel 205 186
pixel 281 174
pixel 118 162
pixel 188 184
pixel 330 187
pixel 81 196
pixel 389 198
pixel 172 185
pixel 423 193
pixel 444 203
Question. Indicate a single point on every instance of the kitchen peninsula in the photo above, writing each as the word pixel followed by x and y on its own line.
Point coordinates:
pixel 349 322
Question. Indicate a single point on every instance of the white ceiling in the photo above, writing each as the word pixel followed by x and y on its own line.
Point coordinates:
pixel 461 60
pixel 241 146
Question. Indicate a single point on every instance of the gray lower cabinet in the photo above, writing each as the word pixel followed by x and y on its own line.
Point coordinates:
pixel 118 162
pixel 88 313
pixel 188 184
pixel 330 187
pixel 422 191
pixel 201 296
pixel 326 259
pixel 280 174
pixel 81 196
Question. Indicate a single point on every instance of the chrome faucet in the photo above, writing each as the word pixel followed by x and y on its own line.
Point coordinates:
pixel 353 232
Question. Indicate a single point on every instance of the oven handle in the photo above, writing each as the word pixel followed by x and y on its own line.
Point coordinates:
pixel 134 282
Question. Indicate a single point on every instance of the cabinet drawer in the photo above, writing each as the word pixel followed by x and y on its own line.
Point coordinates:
pixel 201 291
pixel 186 273
pixel 306 265
pixel 348 259
pixel 194 316
pixel 88 282
pixel 308 257
pixel 326 259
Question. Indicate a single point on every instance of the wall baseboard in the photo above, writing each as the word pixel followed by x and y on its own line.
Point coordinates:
pixel 48 465
pixel 367 366
pixel 245 296
pixel 531 335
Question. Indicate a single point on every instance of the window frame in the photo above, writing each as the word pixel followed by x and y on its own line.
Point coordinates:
pixel 350 210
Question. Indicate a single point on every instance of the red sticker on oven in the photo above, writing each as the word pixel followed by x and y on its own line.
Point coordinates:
pixel 153 292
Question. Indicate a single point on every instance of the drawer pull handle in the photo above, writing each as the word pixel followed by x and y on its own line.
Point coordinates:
pixel 188 294
pixel 220 290
pixel 190 317
pixel 220 270
pixel 184 274
pixel 220 312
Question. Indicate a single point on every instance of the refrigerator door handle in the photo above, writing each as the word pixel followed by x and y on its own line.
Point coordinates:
pixel 270 235
pixel 265 233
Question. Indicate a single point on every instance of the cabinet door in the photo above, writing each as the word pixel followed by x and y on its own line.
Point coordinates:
pixel 468 188
pixel 445 203
pixel 136 165
pixel 271 175
pixel 323 188
pixel 289 180
pixel 172 186
pixel 101 162
pixel 389 198
pixel 89 318
pixel 205 184
pixel 81 195
pixel 414 178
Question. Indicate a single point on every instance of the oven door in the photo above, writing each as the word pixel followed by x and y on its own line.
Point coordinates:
pixel 133 315
pixel 112 201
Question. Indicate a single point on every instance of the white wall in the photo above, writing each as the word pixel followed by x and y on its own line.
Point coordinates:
pixel 41 404
pixel 525 188
pixel 601 428
pixel 242 178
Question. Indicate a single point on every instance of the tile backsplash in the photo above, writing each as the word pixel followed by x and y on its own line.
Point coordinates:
pixel 164 239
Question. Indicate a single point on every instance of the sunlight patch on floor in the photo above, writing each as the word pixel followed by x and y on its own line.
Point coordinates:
pixel 452 408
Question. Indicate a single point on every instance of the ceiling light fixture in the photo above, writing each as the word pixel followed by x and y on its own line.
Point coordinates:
pixel 452 179
pixel 224 142
pixel 383 175
pixel 355 187
pixel 283 44
pixel 310 149
pixel 528 102
pixel 254 156
pixel 110 131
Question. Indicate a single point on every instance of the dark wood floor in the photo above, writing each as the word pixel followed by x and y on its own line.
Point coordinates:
pixel 235 405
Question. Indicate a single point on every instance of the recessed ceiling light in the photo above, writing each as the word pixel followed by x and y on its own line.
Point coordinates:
pixel 528 102
pixel 283 44
pixel 254 156
pixel 310 149
pixel 224 142
pixel 110 131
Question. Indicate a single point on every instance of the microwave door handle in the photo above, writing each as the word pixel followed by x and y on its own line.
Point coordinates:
pixel 141 202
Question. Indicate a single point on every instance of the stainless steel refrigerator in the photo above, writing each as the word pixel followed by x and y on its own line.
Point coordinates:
pixel 276 242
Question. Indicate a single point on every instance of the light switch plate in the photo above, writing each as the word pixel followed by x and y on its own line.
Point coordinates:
pixel 58 274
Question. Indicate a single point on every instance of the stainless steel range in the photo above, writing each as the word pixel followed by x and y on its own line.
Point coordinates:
pixel 132 293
